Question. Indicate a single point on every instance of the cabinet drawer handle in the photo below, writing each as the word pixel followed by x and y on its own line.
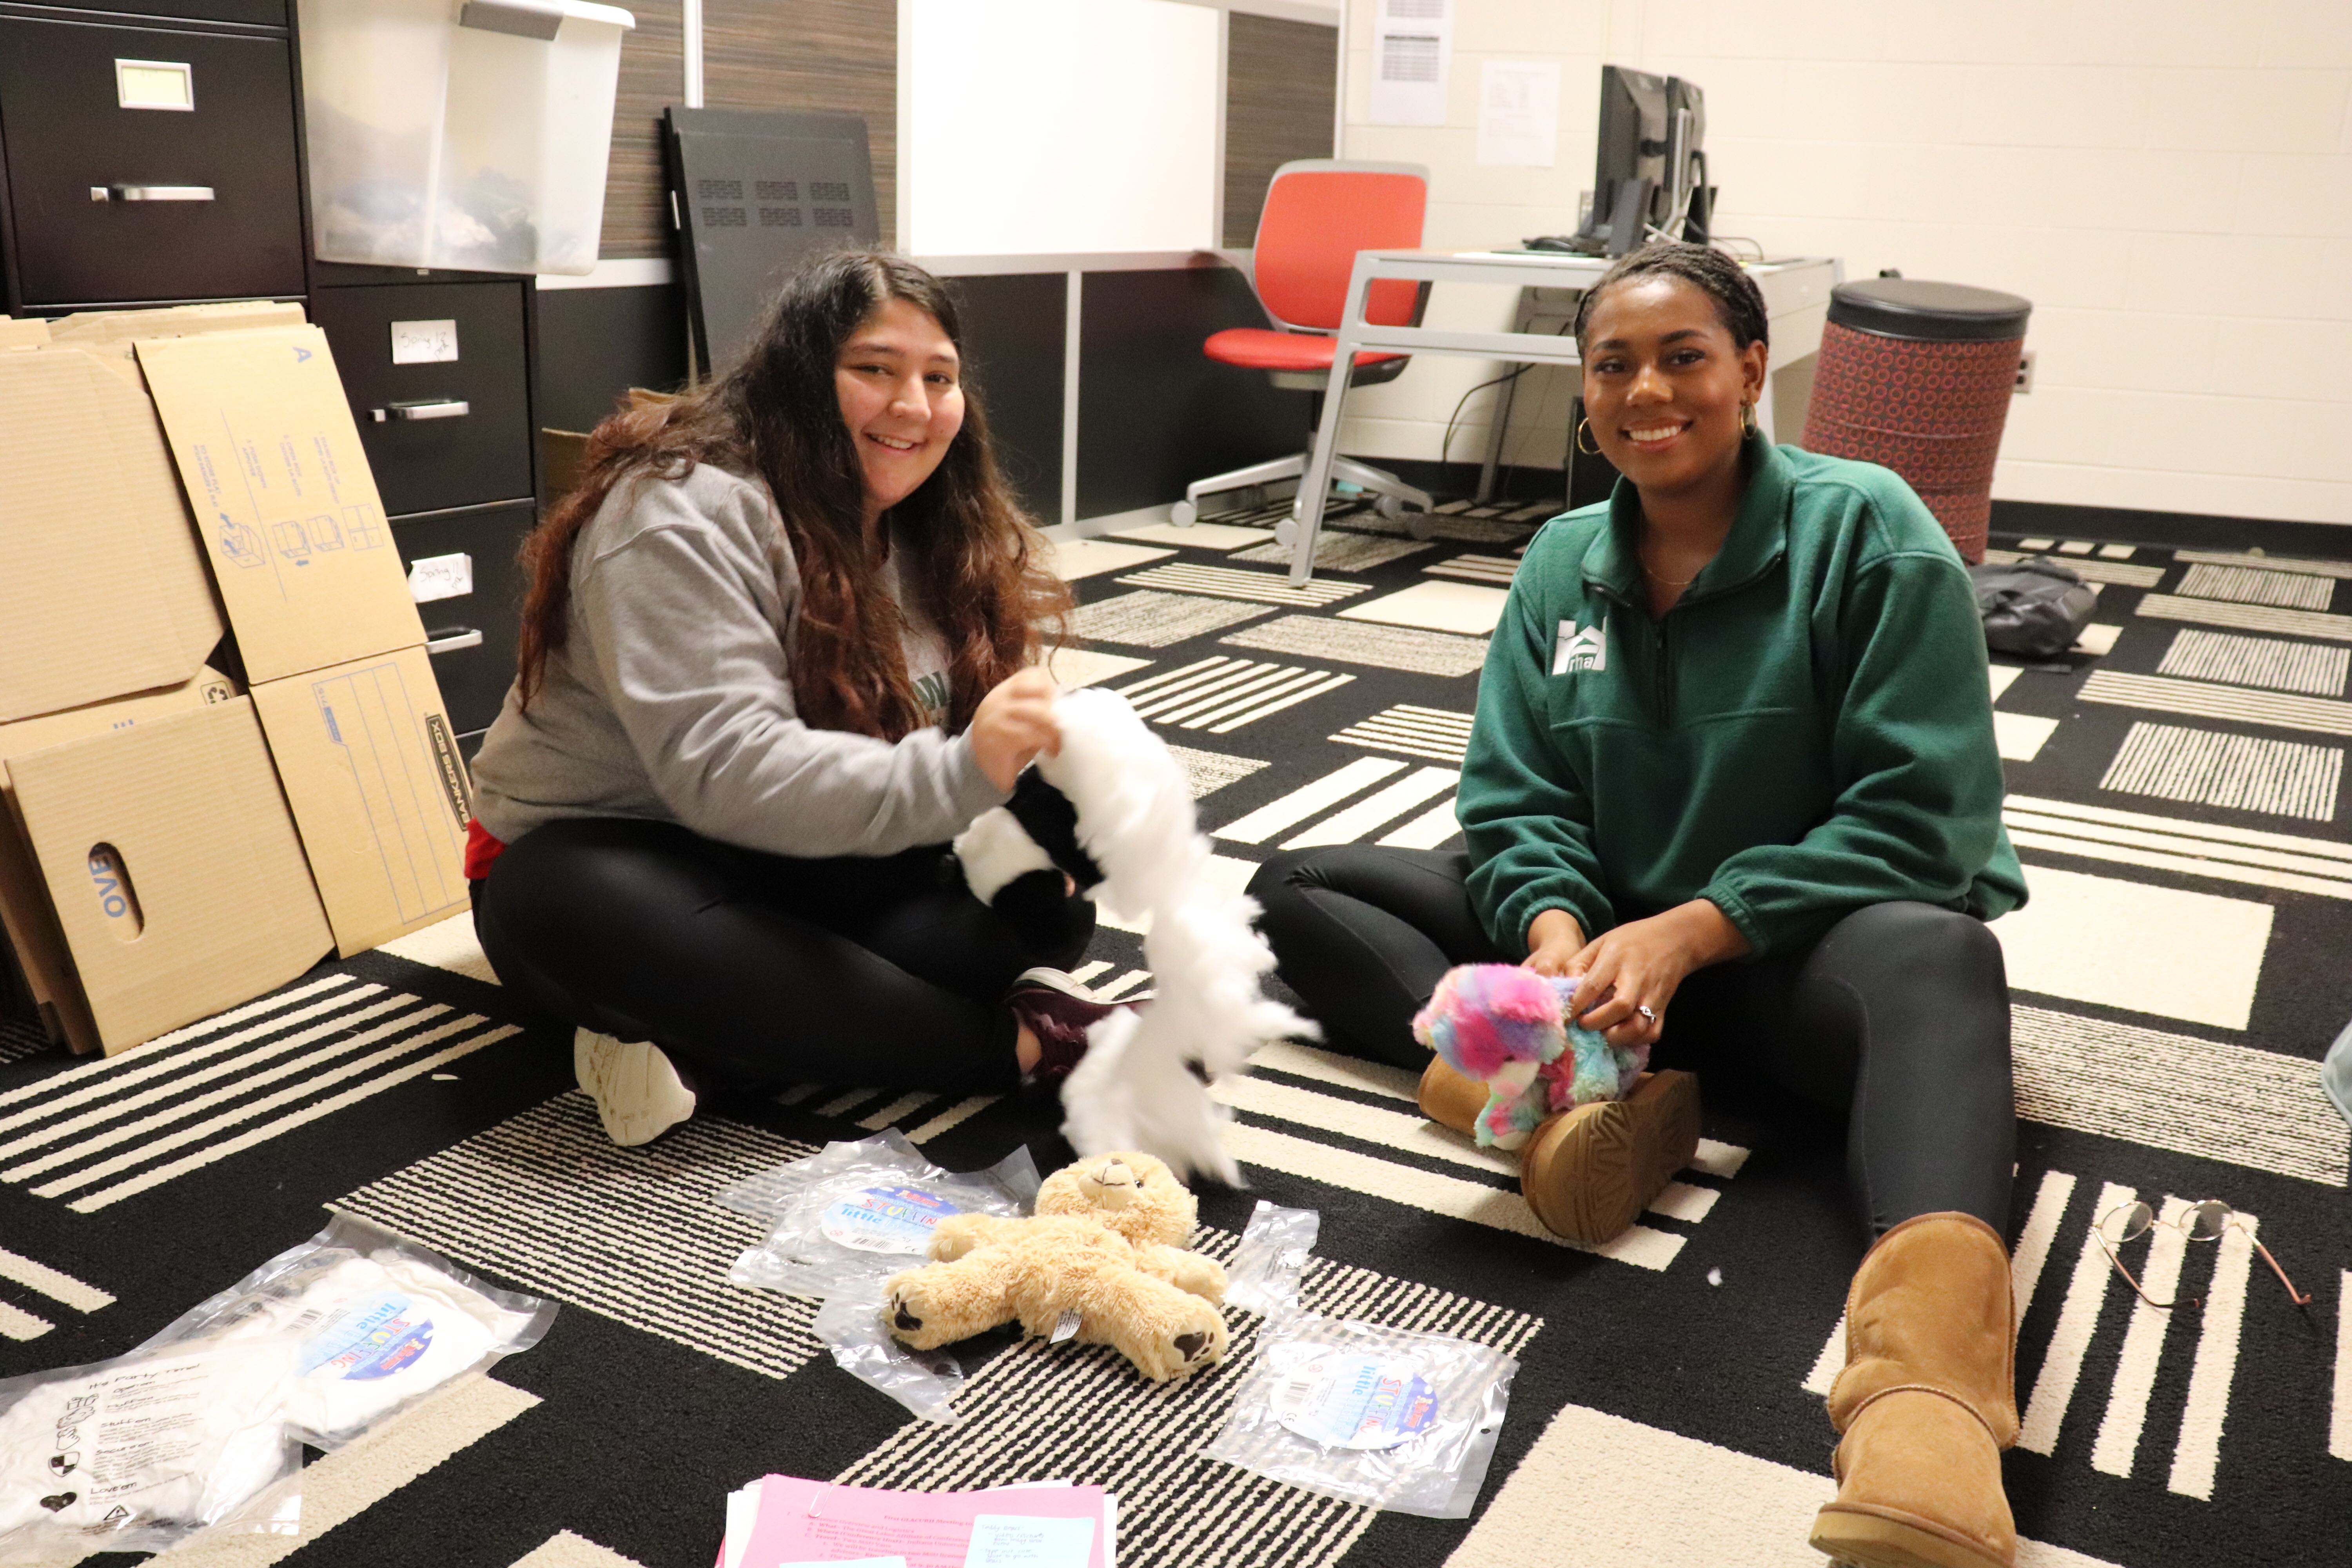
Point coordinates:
pixel 424 409
pixel 151 193
pixel 453 639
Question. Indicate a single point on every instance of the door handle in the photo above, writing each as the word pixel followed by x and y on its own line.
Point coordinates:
pixel 424 409
pixel 451 640
pixel 151 193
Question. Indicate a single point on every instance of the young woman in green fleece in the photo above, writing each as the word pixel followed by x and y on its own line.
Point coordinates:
pixel 1733 767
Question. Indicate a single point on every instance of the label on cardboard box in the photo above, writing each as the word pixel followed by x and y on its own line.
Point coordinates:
pixel 285 504
pixel 171 832
pixel 372 771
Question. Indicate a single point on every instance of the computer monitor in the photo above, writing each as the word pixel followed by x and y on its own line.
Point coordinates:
pixel 1650 167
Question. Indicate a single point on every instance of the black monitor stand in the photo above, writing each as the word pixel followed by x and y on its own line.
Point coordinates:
pixel 1629 221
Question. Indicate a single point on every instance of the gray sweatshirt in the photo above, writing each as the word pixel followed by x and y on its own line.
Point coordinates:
pixel 672 699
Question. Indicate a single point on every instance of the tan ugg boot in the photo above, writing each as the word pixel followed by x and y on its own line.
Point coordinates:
pixel 1589 1173
pixel 1449 1097
pixel 1586 1173
pixel 1926 1403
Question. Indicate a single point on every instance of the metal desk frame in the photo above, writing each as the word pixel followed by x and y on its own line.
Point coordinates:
pixel 1523 268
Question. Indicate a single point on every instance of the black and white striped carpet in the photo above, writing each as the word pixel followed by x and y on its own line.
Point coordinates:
pixel 2175 794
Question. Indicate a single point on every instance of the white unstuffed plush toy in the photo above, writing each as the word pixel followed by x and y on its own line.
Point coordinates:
pixel 1105 1248
pixel 1144 1082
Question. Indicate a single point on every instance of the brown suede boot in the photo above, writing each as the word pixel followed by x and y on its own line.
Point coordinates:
pixel 1926 1403
pixel 1590 1172
pixel 1586 1173
pixel 1450 1099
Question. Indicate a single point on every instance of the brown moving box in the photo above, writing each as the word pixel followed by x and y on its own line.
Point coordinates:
pixel 16 334
pixel 122 327
pixel 108 591
pixel 285 503
pixel 261 437
pixel 372 769
pixel 173 874
pixel 290 518
pixel 44 964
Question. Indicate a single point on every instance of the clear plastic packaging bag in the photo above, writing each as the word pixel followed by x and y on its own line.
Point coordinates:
pixel 139 1453
pixel 852 1215
pixel 381 1323
pixel 1399 1420
pixel 1263 1274
pixel 925 1381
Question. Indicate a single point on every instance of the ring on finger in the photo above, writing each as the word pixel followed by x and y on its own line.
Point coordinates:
pixel 1648 1013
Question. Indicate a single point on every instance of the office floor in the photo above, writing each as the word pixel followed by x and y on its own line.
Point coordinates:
pixel 2175 793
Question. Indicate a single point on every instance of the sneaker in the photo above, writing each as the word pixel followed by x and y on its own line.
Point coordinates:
pixel 1059 1011
pixel 639 1092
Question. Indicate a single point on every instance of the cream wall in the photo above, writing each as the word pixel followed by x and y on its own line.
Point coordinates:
pixel 2169 181
pixel 1010 106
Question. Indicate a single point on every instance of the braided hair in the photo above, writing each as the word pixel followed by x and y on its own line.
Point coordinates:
pixel 1737 301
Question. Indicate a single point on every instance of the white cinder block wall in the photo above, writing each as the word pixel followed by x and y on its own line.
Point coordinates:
pixel 2169 181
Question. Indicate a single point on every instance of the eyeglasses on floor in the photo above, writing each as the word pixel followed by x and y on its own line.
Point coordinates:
pixel 2208 1220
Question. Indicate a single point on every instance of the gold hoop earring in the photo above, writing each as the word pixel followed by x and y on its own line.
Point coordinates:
pixel 1584 428
pixel 1749 424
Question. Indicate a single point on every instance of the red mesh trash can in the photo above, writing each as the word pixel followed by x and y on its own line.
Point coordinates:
pixel 1917 376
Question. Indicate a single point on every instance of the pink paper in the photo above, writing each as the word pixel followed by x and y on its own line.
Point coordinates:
pixel 811 1521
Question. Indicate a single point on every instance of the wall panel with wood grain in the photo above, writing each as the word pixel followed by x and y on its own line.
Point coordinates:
pixel 636 216
pixel 1281 78
pixel 838 55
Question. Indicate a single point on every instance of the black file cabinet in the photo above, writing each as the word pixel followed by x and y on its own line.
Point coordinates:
pixel 439 385
pixel 439 374
pixel 471 636
pixel 147 161
pixel 150 153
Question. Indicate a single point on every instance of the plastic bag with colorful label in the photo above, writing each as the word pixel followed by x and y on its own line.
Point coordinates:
pixel 379 1322
pixel 1395 1419
pixel 852 1215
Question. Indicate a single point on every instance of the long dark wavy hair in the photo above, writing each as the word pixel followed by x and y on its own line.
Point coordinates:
pixel 974 557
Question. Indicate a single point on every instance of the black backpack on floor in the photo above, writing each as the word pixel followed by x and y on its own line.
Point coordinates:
pixel 2036 608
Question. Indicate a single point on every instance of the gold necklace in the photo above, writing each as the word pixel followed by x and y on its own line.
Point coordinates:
pixel 1661 578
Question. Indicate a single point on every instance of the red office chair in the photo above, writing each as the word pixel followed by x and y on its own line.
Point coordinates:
pixel 1318 213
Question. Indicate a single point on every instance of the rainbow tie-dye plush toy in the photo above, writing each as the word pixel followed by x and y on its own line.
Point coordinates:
pixel 1507 1028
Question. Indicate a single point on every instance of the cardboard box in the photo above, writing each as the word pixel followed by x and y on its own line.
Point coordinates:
pixel 44 965
pixel 120 328
pixel 19 335
pixel 372 771
pixel 285 507
pixel 173 873
pixel 108 591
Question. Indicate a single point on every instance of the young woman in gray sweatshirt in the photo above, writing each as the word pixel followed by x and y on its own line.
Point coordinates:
pixel 780 646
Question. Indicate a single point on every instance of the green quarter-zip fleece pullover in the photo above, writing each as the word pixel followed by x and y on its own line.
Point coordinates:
pixel 1808 730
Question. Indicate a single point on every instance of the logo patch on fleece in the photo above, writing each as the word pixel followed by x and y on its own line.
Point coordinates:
pixel 1586 649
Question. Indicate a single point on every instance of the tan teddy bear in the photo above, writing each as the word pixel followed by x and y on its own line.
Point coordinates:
pixel 1107 1245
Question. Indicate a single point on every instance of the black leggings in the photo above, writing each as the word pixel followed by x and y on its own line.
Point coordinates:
pixel 1898 1017
pixel 868 970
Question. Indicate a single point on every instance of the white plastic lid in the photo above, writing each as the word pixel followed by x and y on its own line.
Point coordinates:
pixel 485 14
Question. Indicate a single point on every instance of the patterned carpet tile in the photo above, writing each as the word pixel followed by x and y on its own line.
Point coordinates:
pixel 2176 798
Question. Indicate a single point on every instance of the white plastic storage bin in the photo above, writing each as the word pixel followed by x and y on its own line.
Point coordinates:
pixel 463 134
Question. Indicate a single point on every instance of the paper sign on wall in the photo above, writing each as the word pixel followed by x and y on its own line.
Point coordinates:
pixel 1518 113
pixel 1412 57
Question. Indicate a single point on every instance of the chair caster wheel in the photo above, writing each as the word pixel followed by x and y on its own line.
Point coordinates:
pixel 1390 506
pixel 1184 513
pixel 1286 532
pixel 1420 525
